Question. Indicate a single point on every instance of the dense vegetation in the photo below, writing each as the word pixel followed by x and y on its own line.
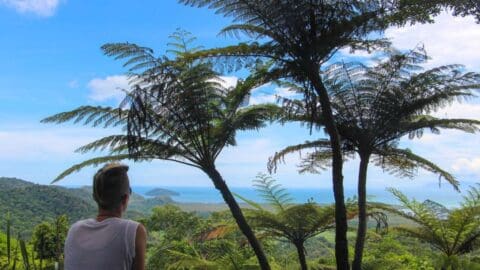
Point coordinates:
pixel 178 111
pixel 181 239
pixel 30 204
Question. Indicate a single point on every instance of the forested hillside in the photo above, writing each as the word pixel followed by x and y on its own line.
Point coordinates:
pixel 30 204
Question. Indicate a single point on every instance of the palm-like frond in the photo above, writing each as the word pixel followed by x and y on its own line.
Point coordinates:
pixel 279 157
pixel 416 127
pixel 138 58
pixel 299 32
pixel 91 162
pixel 91 115
pixel 186 261
pixel 235 57
pixel 255 116
pixel 272 192
pixel 376 106
pixel 296 222
pixel 176 110
pixel 108 142
pixel 403 162
pixel 453 233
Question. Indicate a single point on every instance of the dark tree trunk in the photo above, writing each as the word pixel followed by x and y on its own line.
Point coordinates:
pixel 238 216
pixel 341 226
pixel 362 212
pixel 301 255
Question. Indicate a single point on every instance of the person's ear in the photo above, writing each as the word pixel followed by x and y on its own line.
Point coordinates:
pixel 125 199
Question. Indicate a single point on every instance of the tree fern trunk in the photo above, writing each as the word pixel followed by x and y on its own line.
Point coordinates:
pixel 301 255
pixel 362 212
pixel 238 216
pixel 341 225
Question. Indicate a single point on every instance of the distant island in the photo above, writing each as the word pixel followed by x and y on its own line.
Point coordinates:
pixel 156 192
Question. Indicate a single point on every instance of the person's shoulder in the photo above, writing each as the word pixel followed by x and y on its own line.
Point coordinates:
pixel 80 223
pixel 130 222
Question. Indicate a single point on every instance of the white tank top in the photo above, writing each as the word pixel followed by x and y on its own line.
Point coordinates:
pixel 101 245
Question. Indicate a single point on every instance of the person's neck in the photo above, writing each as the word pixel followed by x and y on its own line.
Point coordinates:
pixel 104 214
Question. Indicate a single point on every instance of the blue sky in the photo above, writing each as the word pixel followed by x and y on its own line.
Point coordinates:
pixel 50 61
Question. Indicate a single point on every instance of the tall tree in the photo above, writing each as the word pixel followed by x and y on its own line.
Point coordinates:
pixel 178 111
pixel 375 107
pixel 299 36
pixel 451 232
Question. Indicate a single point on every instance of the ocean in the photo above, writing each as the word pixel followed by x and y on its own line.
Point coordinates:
pixel 444 196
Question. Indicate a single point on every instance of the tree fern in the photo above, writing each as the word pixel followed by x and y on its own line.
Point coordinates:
pixel 272 192
pixel 178 111
pixel 453 233
pixel 376 106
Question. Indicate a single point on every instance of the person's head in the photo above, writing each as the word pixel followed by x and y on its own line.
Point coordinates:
pixel 111 187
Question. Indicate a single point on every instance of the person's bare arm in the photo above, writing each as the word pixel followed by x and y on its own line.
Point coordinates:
pixel 140 248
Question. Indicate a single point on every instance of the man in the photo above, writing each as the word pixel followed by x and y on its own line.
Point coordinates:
pixel 107 242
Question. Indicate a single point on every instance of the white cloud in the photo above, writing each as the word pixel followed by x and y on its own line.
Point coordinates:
pixel 108 88
pixel 44 8
pixel 467 164
pixel 450 40
pixel 73 84
pixel 228 81
pixel 265 94
pixel 43 144
pixel 459 110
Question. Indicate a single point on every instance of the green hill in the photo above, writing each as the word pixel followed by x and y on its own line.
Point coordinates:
pixel 30 203
pixel 11 182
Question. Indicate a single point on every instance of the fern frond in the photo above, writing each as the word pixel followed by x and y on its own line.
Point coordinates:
pixel 403 162
pixel 90 115
pixel 110 142
pixel 249 202
pixel 271 192
pixel 90 162
pixel 279 157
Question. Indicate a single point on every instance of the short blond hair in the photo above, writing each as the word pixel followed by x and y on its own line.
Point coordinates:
pixel 110 184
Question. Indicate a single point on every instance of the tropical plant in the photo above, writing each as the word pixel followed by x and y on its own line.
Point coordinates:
pixel 184 240
pixel 388 252
pixel 9 237
pixel 178 111
pixel 299 36
pixel 175 223
pixel 48 239
pixel 451 232
pixel 375 107
pixel 295 222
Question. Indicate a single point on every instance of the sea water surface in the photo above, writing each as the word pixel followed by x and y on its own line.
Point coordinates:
pixel 444 196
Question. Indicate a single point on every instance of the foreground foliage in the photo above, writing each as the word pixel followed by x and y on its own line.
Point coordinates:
pixel 453 233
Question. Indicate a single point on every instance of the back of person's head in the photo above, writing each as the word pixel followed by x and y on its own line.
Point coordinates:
pixel 111 185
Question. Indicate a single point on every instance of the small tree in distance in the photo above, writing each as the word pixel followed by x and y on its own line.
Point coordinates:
pixel 49 238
